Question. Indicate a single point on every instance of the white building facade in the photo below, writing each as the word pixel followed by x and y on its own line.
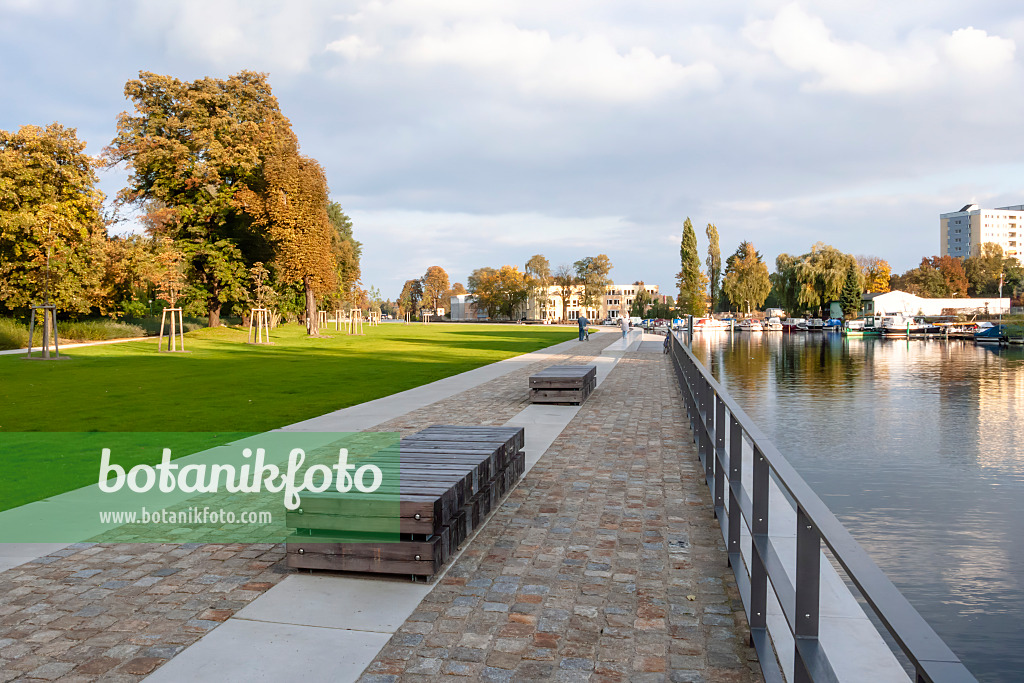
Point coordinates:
pixel 615 302
pixel 910 304
pixel 961 233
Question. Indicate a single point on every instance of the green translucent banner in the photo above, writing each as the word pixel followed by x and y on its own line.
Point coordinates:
pixel 189 487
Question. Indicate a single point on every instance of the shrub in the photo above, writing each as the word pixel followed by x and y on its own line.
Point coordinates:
pixel 13 335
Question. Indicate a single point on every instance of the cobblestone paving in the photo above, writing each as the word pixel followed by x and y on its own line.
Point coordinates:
pixel 605 564
pixel 498 401
pixel 116 612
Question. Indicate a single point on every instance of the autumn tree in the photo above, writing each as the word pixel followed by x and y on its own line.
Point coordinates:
pixel 984 267
pixel 50 210
pixel 498 292
pixel 690 278
pixel 746 282
pixel 565 281
pixel 191 147
pixel 458 288
pixel 592 274
pixel 714 264
pixel 936 277
pixel 435 288
pixel 288 203
pixel 875 272
pixel 538 278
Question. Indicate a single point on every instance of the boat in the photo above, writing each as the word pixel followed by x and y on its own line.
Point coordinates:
pixel 991 334
pixel 709 325
pixel 751 325
pixel 862 327
pixel 773 325
pixel 815 325
pixel 834 325
pixel 906 326
pixel 794 325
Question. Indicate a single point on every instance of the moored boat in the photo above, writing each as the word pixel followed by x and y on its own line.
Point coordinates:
pixel 773 325
pixel 862 327
pixel 815 325
pixel 709 325
pixel 794 325
pixel 906 326
pixel 751 325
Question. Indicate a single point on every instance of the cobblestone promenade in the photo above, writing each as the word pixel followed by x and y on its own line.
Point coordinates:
pixel 605 564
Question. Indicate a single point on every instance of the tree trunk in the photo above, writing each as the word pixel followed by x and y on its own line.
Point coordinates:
pixel 213 316
pixel 311 316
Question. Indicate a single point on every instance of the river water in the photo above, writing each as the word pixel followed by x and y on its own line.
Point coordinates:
pixel 918 448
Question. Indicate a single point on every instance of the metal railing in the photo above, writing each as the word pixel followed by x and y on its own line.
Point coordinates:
pixel 712 412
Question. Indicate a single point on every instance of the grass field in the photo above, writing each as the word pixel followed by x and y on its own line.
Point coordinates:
pixel 223 386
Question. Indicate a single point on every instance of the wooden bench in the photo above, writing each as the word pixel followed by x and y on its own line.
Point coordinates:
pixel 450 478
pixel 563 384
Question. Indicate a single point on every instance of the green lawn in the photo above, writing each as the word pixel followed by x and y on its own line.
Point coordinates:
pixel 224 386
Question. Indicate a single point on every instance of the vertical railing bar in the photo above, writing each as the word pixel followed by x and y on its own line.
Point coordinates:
pixel 759 528
pixel 808 569
pixel 735 478
pixel 720 472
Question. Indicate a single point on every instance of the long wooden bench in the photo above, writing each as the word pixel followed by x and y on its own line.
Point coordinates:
pixel 450 478
pixel 563 384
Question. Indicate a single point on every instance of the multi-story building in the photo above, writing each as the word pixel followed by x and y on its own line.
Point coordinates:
pixel 615 303
pixel 961 233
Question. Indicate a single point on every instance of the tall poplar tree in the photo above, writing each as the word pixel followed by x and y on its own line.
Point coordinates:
pixel 850 301
pixel 690 279
pixel 714 264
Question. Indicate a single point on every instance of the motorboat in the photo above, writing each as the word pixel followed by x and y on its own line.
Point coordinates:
pixel 834 325
pixel 862 327
pixel 751 325
pixel 991 334
pixel 815 325
pixel 773 325
pixel 709 325
pixel 906 326
pixel 794 325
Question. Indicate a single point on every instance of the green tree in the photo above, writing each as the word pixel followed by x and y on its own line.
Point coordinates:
pixel 500 292
pixel 690 279
pixel 746 280
pixel 714 264
pixel 49 211
pixel 409 299
pixel 850 301
pixel 983 269
pixel 592 273
pixel 784 282
pixel 641 302
pixel 191 147
pixel 347 254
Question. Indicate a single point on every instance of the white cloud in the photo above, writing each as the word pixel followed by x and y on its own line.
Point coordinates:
pixel 353 48
pixel 804 43
pixel 536 63
pixel 974 49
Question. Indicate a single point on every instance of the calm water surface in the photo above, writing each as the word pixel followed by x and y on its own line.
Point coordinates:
pixel 914 446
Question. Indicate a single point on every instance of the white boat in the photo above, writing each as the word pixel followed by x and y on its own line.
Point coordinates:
pixel 902 326
pixel 773 325
pixel 751 325
pixel 794 325
pixel 815 325
pixel 709 325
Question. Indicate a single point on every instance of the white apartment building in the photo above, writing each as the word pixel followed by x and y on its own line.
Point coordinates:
pixel 961 233
pixel 615 303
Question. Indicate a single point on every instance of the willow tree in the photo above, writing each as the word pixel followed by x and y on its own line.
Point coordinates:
pixel 190 148
pixel 49 205
pixel 690 279
pixel 813 280
pixel 290 205
pixel 592 273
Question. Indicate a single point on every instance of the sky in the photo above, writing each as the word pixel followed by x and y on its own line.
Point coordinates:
pixel 470 133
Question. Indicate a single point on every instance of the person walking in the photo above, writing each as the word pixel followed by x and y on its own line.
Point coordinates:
pixel 582 322
pixel 624 324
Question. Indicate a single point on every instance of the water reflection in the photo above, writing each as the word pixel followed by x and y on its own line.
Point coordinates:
pixel 913 446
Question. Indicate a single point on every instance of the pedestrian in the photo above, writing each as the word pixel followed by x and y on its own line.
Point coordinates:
pixel 582 322
pixel 624 324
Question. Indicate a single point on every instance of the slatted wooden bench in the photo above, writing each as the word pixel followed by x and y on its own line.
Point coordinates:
pixel 450 478
pixel 563 384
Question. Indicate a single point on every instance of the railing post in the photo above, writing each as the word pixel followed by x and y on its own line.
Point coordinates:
pixel 808 568
pixel 709 421
pixel 719 447
pixel 759 530
pixel 735 479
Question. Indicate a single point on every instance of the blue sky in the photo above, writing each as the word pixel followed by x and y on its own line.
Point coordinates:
pixel 468 133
